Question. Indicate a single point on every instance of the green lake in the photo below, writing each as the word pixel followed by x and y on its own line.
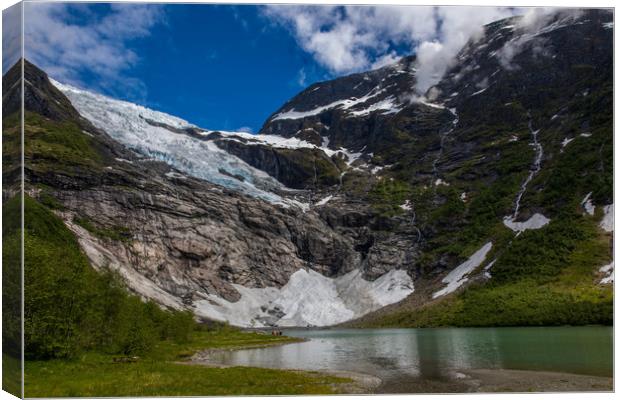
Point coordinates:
pixel 438 353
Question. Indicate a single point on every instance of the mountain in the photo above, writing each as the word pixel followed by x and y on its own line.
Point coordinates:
pixel 179 239
pixel 487 200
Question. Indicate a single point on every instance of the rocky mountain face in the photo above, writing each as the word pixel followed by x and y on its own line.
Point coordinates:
pixel 179 240
pixel 356 191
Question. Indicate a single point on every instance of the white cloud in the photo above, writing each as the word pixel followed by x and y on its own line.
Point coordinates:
pixel 67 40
pixel 354 38
pixel 245 129
pixel 11 36
pixel 386 59
pixel 302 78
pixel 458 25
pixel 533 22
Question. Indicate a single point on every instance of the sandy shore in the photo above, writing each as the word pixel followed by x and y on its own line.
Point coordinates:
pixel 500 380
pixel 462 381
pixel 505 380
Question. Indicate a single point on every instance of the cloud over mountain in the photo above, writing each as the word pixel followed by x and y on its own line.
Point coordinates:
pixel 354 38
pixel 70 39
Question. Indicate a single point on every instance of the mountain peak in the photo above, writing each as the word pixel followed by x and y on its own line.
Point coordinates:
pixel 40 95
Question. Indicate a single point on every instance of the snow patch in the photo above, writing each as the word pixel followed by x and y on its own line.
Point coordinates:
pixel 458 276
pixel 566 141
pixel 406 205
pixel 292 114
pixel 587 205
pixel 309 299
pixel 536 221
pixel 376 169
pixel 387 106
pixel 440 182
pixel 608 25
pixel 608 270
pixel 264 139
pixel 478 92
pixel 323 201
pixel 607 223
pixel 487 269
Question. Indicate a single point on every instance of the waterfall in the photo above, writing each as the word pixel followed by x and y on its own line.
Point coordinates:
pixel 534 169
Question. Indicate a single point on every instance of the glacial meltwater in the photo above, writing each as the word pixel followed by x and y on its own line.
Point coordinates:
pixel 437 353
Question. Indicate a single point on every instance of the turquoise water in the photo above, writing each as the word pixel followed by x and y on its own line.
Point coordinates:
pixel 437 353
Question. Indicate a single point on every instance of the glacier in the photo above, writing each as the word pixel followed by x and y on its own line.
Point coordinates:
pixel 145 131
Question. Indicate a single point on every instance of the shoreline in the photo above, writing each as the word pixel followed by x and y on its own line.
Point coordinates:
pixel 361 383
pixel 500 381
pixel 478 380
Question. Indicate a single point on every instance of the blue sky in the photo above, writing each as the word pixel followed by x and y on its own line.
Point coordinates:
pixel 229 67
pixel 222 67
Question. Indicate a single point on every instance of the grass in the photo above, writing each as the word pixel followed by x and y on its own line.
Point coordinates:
pixel 63 379
pixel 160 374
pixel 11 375
pixel 50 145
pixel 118 233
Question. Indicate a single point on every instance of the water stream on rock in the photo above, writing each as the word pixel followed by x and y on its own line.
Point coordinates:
pixel 535 168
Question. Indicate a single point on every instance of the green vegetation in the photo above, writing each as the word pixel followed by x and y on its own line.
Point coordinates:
pixel 162 372
pixel 11 278
pixel 309 166
pixel 544 277
pixel 388 195
pixel 98 378
pixel 11 374
pixel 118 233
pixel 548 276
pixel 70 308
pixel 50 145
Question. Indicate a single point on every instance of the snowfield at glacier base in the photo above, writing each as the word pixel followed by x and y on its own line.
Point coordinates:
pixel 309 299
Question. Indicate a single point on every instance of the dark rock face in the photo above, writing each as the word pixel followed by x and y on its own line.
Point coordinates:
pixel 39 95
pixel 513 61
pixel 296 168
pixel 187 235
pixel 357 127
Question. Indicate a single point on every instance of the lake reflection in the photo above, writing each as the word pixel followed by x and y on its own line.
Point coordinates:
pixel 437 353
